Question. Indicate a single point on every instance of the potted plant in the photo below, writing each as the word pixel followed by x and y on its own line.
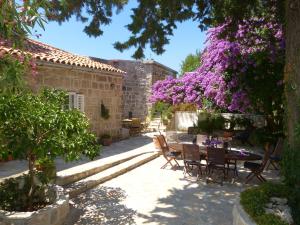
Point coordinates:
pixel 106 139
pixel 39 130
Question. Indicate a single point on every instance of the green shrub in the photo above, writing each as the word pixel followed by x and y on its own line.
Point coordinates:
pixel 210 123
pixel 254 200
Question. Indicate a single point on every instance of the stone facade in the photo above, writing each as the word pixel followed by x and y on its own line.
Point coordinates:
pixel 139 77
pixel 95 85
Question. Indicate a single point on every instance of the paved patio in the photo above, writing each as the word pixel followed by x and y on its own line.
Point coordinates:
pixel 150 195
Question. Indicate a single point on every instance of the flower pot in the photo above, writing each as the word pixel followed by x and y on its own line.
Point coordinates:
pixel 106 141
pixel 10 157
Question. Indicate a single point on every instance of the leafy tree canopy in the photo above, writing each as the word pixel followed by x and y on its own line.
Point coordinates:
pixel 190 63
pixel 153 22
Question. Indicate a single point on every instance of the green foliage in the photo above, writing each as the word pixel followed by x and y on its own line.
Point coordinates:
pixel 154 21
pixel 35 127
pixel 18 18
pixel 104 112
pixel 11 74
pixel 37 124
pixel 290 168
pixel 163 109
pixel 190 63
pixel 254 200
pixel 209 122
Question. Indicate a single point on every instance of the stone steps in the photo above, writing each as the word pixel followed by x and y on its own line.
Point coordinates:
pixel 82 171
pixel 89 182
pixel 154 124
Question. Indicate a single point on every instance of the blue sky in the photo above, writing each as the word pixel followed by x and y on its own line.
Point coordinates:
pixel 70 37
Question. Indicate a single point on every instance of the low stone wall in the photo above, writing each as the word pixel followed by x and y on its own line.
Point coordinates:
pixel 54 214
pixel 240 217
pixel 186 119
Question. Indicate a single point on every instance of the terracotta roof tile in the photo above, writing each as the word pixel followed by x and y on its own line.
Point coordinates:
pixel 44 52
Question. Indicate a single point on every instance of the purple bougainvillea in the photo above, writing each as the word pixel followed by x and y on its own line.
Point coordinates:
pixel 234 69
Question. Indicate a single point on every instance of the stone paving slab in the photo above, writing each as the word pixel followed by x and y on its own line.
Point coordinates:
pixel 133 145
pixel 150 195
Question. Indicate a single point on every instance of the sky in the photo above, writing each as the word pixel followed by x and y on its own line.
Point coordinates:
pixel 70 37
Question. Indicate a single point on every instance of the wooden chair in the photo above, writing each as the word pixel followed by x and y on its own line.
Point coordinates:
pixel 275 157
pixel 257 168
pixel 216 161
pixel 191 158
pixel 167 154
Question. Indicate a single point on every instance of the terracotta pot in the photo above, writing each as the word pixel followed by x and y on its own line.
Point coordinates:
pixel 227 134
pixel 106 141
pixel 10 157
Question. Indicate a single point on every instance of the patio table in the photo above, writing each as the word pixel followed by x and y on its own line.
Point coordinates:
pixel 230 154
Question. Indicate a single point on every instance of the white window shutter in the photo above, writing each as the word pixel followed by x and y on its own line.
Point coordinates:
pixel 80 102
pixel 72 100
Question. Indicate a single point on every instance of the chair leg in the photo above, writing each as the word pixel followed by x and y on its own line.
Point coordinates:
pixel 264 179
pixel 274 165
pixel 249 177
pixel 176 162
pixel 165 165
pixel 249 174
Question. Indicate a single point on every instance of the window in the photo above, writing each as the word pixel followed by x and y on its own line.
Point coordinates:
pixel 76 101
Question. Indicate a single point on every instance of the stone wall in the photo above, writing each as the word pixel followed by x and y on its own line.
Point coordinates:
pixel 139 78
pixel 96 86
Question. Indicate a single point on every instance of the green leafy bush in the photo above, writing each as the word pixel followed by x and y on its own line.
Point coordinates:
pixel 254 200
pixel 209 122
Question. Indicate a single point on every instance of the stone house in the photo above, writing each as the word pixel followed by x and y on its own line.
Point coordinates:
pixel 89 83
pixel 138 80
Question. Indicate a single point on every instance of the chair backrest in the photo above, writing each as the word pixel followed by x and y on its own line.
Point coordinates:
pixel 216 156
pixel 278 148
pixel 191 152
pixel 163 146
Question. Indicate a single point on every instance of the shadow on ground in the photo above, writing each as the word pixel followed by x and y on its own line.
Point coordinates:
pixel 100 206
pixel 199 203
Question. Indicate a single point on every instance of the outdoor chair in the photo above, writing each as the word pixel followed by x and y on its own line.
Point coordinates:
pixel 275 157
pixel 191 158
pixel 257 168
pixel 216 161
pixel 169 155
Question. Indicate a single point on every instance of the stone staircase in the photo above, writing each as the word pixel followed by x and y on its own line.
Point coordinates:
pixel 79 179
pixel 154 124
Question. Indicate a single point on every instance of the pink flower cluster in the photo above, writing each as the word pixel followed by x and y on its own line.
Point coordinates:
pixel 228 59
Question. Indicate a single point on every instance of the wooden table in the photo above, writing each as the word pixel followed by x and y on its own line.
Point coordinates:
pixel 230 155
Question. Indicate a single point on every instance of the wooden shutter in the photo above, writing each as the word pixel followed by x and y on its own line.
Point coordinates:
pixel 80 102
pixel 72 100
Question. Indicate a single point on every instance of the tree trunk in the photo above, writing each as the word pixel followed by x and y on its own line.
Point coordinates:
pixel 31 160
pixel 292 68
